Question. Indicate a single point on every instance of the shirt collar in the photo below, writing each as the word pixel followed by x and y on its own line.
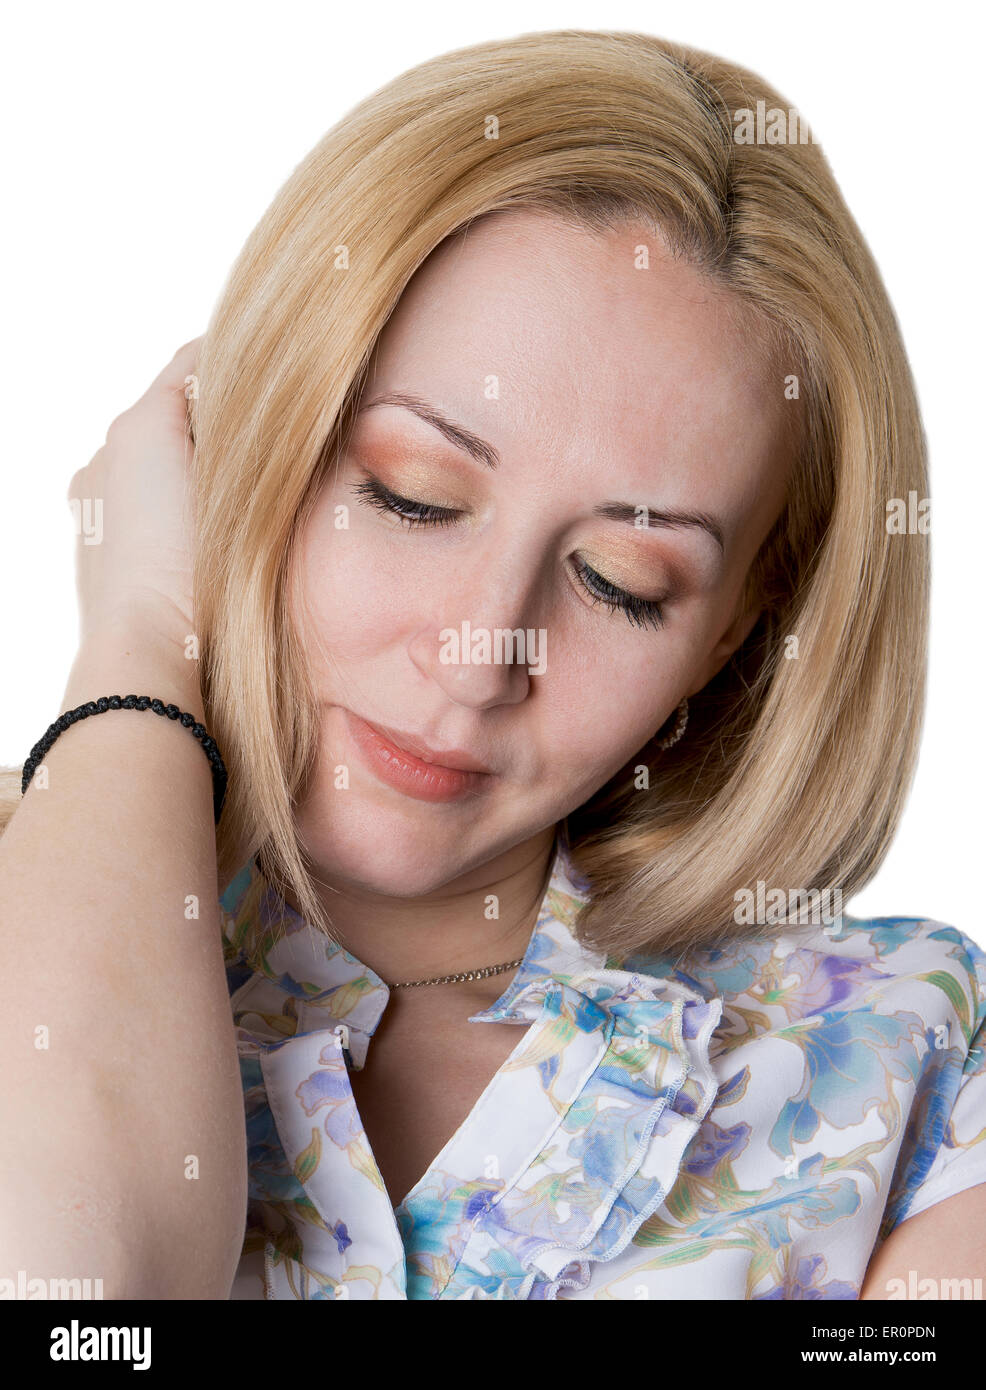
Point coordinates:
pixel 612 1086
pixel 276 949
pixel 270 939
pixel 553 949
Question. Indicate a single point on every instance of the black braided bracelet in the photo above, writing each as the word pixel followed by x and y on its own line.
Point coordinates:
pixel 106 702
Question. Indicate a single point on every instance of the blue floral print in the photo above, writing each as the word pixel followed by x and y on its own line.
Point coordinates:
pixel 747 1121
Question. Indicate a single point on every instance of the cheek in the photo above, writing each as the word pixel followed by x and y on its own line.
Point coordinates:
pixel 607 688
pixel 605 700
pixel 348 578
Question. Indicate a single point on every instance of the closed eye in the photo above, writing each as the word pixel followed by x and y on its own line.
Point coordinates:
pixel 413 513
pixel 639 611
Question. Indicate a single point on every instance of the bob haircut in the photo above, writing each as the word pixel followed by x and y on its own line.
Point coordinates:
pixel 799 753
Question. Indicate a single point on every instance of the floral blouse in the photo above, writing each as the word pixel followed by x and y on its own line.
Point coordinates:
pixel 747 1121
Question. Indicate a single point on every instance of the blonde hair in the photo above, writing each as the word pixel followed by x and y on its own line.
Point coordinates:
pixel 792 771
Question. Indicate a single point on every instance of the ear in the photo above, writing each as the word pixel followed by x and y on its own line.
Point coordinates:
pixel 734 636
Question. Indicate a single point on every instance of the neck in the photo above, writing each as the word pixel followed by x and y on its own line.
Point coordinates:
pixel 448 931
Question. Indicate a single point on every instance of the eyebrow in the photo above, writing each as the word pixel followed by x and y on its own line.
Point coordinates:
pixel 485 454
pixel 457 434
pixel 661 516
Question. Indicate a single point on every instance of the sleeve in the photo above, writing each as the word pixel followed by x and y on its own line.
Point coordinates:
pixel 951 1153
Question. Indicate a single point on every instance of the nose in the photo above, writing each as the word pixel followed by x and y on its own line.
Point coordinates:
pixel 482 650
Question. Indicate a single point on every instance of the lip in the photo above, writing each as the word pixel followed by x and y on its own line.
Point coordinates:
pixel 410 765
pixel 456 758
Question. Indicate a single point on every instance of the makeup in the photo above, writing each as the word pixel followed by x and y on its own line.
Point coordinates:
pixel 412 774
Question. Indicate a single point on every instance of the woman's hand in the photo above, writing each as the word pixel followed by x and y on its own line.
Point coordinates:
pixel 132 508
pixel 100 862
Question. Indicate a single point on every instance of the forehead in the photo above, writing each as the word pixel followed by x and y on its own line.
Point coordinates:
pixel 563 343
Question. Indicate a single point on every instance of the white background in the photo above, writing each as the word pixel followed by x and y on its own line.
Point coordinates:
pixel 144 140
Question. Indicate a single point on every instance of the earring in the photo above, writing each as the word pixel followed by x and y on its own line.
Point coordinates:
pixel 679 727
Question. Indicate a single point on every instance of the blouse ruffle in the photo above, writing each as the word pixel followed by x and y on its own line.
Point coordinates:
pixel 589 1117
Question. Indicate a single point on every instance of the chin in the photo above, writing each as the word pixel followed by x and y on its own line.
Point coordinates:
pixel 397 856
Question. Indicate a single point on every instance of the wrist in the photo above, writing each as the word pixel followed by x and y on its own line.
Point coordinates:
pixel 125 661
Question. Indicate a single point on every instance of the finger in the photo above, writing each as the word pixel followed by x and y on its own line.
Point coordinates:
pixel 181 364
pixel 171 385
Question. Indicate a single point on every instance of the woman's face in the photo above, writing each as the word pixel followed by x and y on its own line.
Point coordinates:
pixel 547 429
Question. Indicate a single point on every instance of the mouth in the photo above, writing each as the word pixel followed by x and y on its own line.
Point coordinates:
pixel 411 766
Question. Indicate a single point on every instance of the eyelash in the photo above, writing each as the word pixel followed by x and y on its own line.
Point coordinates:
pixel 413 513
pixel 640 612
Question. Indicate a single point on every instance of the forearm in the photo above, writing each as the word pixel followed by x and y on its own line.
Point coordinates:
pixel 122 1145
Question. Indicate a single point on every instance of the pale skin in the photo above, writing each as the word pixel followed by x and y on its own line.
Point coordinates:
pixel 614 384
pixel 97 1125
pixel 945 1242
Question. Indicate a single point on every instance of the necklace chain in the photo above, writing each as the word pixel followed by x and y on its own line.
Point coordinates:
pixel 444 979
pixel 464 975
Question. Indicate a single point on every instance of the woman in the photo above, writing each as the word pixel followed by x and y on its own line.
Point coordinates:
pixel 542 600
